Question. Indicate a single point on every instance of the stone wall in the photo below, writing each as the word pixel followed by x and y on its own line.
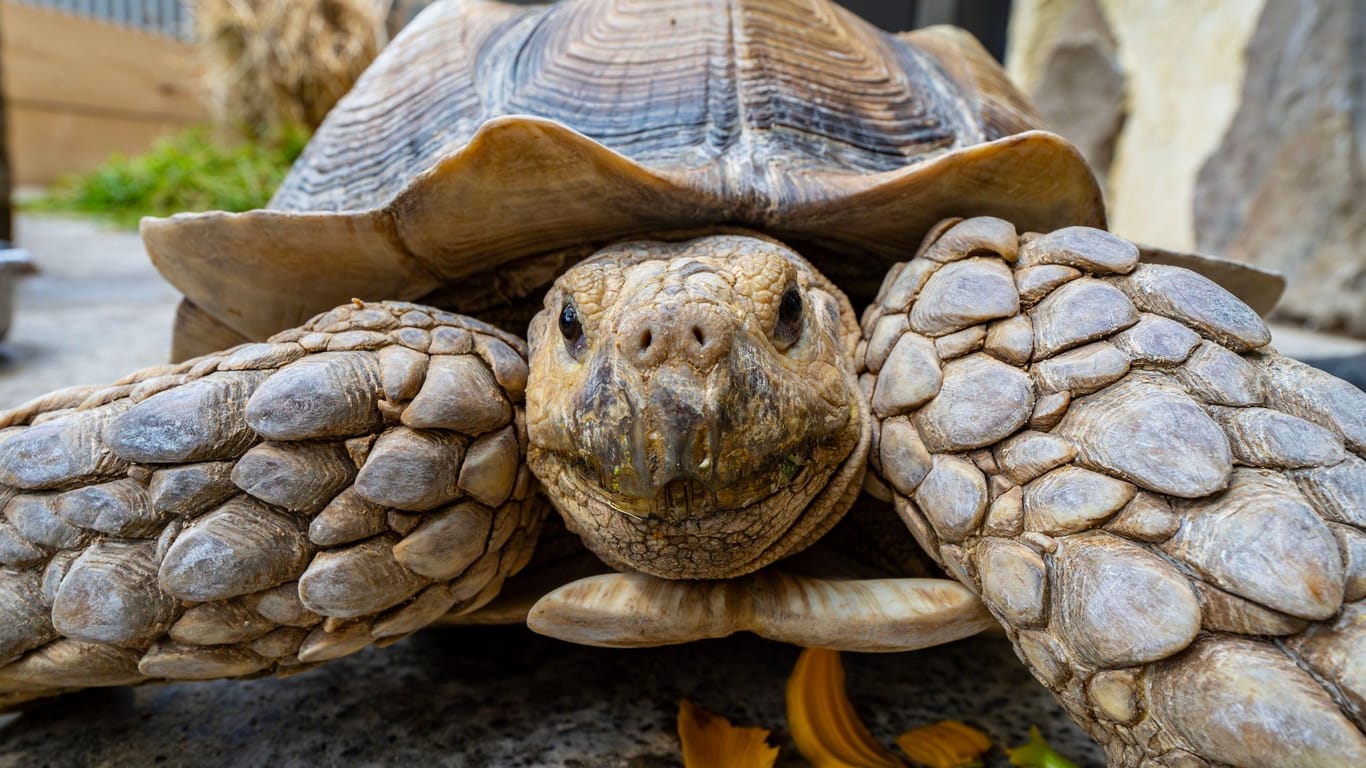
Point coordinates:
pixel 1229 126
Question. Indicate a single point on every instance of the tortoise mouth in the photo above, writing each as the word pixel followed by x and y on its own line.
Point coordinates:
pixel 682 498
pixel 685 501
pixel 689 529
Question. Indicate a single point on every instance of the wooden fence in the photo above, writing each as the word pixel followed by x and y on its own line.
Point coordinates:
pixel 78 89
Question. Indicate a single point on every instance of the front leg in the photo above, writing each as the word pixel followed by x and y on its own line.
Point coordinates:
pixel 1168 517
pixel 266 508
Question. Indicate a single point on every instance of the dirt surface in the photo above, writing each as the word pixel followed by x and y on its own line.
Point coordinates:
pixel 505 697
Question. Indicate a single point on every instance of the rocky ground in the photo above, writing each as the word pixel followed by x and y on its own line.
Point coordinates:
pixel 504 697
pixel 460 697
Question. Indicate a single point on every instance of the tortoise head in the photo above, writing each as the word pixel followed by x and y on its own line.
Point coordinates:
pixel 693 409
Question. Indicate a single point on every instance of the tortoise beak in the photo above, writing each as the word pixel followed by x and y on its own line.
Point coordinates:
pixel 674 450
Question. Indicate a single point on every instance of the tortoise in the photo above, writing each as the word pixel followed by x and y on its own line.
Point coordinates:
pixel 681 205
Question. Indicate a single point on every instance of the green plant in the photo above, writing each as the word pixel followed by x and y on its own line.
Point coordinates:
pixel 186 171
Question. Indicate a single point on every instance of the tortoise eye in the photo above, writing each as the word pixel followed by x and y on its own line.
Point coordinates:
pixel 571 327
pixel 789 327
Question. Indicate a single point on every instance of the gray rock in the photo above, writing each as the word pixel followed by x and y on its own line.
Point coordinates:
pixel 1283 189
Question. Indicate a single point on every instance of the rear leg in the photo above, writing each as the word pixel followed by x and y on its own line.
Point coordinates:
pixel 263 509
pixel 1168 517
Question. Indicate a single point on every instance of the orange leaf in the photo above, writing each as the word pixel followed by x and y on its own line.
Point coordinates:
pixel 945 744
pixel 710 741
pixel 824 725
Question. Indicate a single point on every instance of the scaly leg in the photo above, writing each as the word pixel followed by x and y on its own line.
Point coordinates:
pixel 266 508
pixel 1168 517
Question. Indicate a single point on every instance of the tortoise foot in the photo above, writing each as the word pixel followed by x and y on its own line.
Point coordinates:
pixel 1168 517
pixel 263 509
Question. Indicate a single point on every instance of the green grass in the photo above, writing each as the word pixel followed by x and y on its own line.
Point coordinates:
pixel 187 171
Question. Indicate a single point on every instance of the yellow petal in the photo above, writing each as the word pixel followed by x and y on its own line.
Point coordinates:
pixel 710 741
pixel 824 725
pixel 946 744
pixel 1037 754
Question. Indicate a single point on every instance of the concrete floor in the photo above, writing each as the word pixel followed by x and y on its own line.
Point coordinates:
pixel 95 310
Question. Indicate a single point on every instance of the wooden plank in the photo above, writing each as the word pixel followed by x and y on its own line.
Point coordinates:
pixel 48 144
pixel 78 90
pixel 6 178
pixel 54 58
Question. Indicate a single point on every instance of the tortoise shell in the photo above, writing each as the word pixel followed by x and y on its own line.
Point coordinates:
pixel 487 133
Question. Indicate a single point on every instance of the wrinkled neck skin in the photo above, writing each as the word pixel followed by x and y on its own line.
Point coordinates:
pixel 693 407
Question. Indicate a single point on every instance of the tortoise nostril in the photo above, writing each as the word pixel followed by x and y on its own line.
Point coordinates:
pixel 646 339
pixel 698 334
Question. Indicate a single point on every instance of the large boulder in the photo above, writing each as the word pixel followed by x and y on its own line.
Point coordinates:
pixel 1284 188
